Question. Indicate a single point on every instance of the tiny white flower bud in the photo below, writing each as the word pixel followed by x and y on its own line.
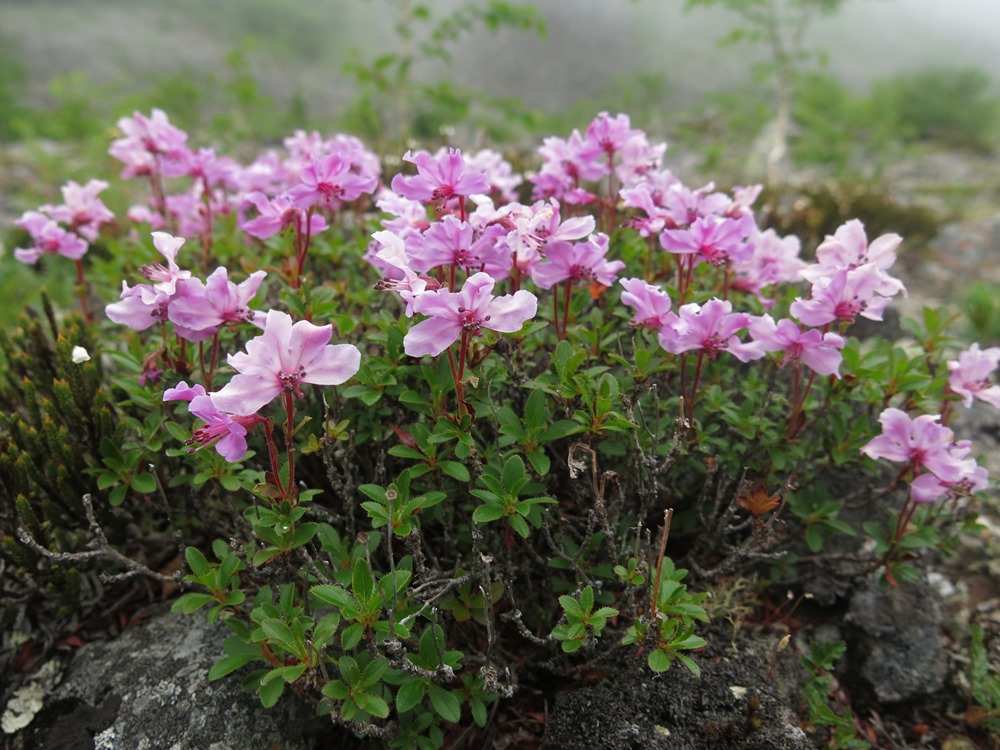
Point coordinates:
pixel 80 355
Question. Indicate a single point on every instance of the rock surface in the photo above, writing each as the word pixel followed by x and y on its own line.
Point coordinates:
pixel 149 690
pixel 898 649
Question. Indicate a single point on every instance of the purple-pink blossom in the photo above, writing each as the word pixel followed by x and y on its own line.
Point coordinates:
pixel 714 239
pixel 710 328
pixel 816 350
pixel 329 181
pixel 451 242
pixel 49 239
pixel 846 294
pixel 439 179
pixel 970 375
pixel 922 442
pixel 283 357
pixel 81 208
pixel 577 262
pixel 651 304
pixel 277 214
pixel 466 313
pixel 227 432
pixel 216 302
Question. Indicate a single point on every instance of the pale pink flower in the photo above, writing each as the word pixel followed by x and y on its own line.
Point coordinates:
pixel 81 208
pixel 715 239
pixel 328 182
pixel 281 359
pixel 398 274
pixel 970 375
pixel 216 302
pixel 466 312
pixel 49 239
pixel 439 180
pixel 863 291
pixel 451 242
pixel 710 328
pixel 922 443
pixel 579 262
pixel 775 260
pixel 276 215
pixel 227 432
pixel 650 302
pixel 816 350
pixel 607 136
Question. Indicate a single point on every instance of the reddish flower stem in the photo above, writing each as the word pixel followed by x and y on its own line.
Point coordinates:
pixel 81 290
pixel 272 451
pixel 289 445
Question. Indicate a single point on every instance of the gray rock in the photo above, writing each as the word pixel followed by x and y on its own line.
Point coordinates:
pixel 899 650
pixel 149 690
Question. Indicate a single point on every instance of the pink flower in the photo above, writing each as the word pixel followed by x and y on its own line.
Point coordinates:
pixel 710 328
pixel 565 164
pixel 399 276
pixel 499 172
pixel 49 239
pixel 535 227
pixel 282 358
pixel 651 304
pixel 863 291
pixel 775 260
pixel 328 181
pixel 165 278
pixel 81 209
pixel 970 375
pixel 466 312
pixel 209 305
pixel 816 350
pixel 451 242
pixel 583 262
pixel 849 248
pixel 928 487
pixel 606 136
pixel 146 138
pixel 276 215
pixel 922 443
pixel 226 431
pixel 439 180
pixel 715 239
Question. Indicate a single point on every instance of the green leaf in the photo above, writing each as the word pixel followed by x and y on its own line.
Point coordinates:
pixel 304 534
pixel 333 594
pixel 444 703
pixel 240 653
pixel 144 483
pixel 271 692
pixel 351 636
pixel 288 674
pixel 690 663
pixel 278 632
pixel 189 603
pixel 455 470
pixel 410 694
pixel 487 513
pixel 196 560
pixel 658 660
pixel 519 525
pixel 336 690
pixel 372 704
pixel 362 583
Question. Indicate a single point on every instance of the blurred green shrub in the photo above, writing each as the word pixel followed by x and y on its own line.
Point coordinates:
pixel 955 106
pixel 982 308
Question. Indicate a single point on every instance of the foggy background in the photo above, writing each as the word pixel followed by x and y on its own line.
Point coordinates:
pixel 590 45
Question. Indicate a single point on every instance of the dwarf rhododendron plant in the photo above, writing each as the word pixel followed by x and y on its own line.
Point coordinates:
pixel 485 406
